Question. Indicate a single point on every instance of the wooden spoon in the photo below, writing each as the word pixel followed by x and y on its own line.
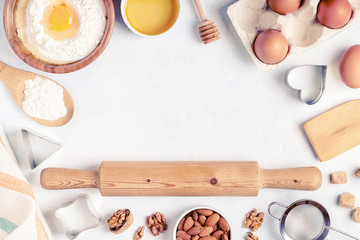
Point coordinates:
pixel 14 80
pixel 207 29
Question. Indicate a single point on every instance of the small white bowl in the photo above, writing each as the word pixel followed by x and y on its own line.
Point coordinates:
pixel 124 17
pixel 196 208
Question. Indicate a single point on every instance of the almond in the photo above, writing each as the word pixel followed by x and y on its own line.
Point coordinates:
pixel 196 237
pixel 202 219
pixel 224 225
pixel 181 224
pixel 224 237
pixel 195 230
pixel 218 234
pixel 197 224
pixel 183 235
pixel 208 238
pixel 189 223
pixel 206 231
pixel 205 212
pixel 212 219
pixel 215 228
pixel 195 215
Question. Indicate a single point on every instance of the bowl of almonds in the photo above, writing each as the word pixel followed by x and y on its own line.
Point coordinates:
pixel 202 224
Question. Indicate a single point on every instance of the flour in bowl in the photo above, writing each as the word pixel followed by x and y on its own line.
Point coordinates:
pixel 60 31
pixel 44 99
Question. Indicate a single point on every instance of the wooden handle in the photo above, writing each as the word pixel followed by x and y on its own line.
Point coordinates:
pixel 225 178
pixel 14 80
pixel 9 74
pixel 2 67
pixel 200 10
pixel 306 178
pixel 5 75
pixel 336 131
pixel 62 178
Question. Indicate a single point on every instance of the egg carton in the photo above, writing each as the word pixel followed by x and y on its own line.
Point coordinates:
pixel 301 28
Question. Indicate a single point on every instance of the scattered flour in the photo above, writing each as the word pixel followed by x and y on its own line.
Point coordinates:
pixel 44 99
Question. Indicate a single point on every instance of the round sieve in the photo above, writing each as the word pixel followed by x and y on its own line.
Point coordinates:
pixel 304 220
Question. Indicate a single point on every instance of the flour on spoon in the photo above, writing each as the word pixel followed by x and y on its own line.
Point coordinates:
pixel 44 99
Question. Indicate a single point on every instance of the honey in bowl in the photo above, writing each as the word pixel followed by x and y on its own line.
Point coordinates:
pixel 152 17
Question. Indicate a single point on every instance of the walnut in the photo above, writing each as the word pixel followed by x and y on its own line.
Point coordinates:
pixel 251 236
pixel 120 221
pixel 253 220
pixel 156 223
pixel 139 233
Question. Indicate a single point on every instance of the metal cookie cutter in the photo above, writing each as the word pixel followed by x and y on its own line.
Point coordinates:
pixel 313 76
pixel 38 147
pixel 305 220
pixel 78 216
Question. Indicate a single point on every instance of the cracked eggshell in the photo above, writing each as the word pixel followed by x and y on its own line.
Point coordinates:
pixel 301 28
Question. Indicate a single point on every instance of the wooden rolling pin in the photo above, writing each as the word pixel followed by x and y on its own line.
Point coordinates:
pixel 230 178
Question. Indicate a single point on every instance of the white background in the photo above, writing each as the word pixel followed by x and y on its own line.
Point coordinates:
pixel 172 98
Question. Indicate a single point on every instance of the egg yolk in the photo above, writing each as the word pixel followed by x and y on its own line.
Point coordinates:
pixel 60 20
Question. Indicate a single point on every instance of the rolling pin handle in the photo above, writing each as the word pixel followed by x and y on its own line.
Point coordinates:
pixel 62 178
pixel 276 203
pixel 304 178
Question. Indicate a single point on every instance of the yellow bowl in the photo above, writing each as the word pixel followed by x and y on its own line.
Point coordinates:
pixel 18 47
pixel 127 21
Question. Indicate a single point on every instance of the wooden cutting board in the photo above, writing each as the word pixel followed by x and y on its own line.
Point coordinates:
pixel 225 178
pixel 336 131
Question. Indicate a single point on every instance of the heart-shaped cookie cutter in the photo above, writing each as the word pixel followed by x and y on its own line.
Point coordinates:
pixel 321 85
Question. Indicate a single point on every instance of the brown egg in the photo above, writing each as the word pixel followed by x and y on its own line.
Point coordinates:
pixel 350 67
pixel 271 46
pixel 334 13
pixel 284 6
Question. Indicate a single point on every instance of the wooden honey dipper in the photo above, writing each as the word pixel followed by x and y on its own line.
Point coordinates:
pixel 207 29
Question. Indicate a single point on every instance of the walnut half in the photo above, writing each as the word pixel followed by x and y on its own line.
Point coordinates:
pixel 253 220
pixel 120 221
pixel 156 223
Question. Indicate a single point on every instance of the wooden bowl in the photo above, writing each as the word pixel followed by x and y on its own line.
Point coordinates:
pixel 18 47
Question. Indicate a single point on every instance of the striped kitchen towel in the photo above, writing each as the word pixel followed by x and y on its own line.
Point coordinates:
pixel 20 218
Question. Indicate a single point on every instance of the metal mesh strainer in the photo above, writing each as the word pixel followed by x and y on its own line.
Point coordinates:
pixel 305 220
